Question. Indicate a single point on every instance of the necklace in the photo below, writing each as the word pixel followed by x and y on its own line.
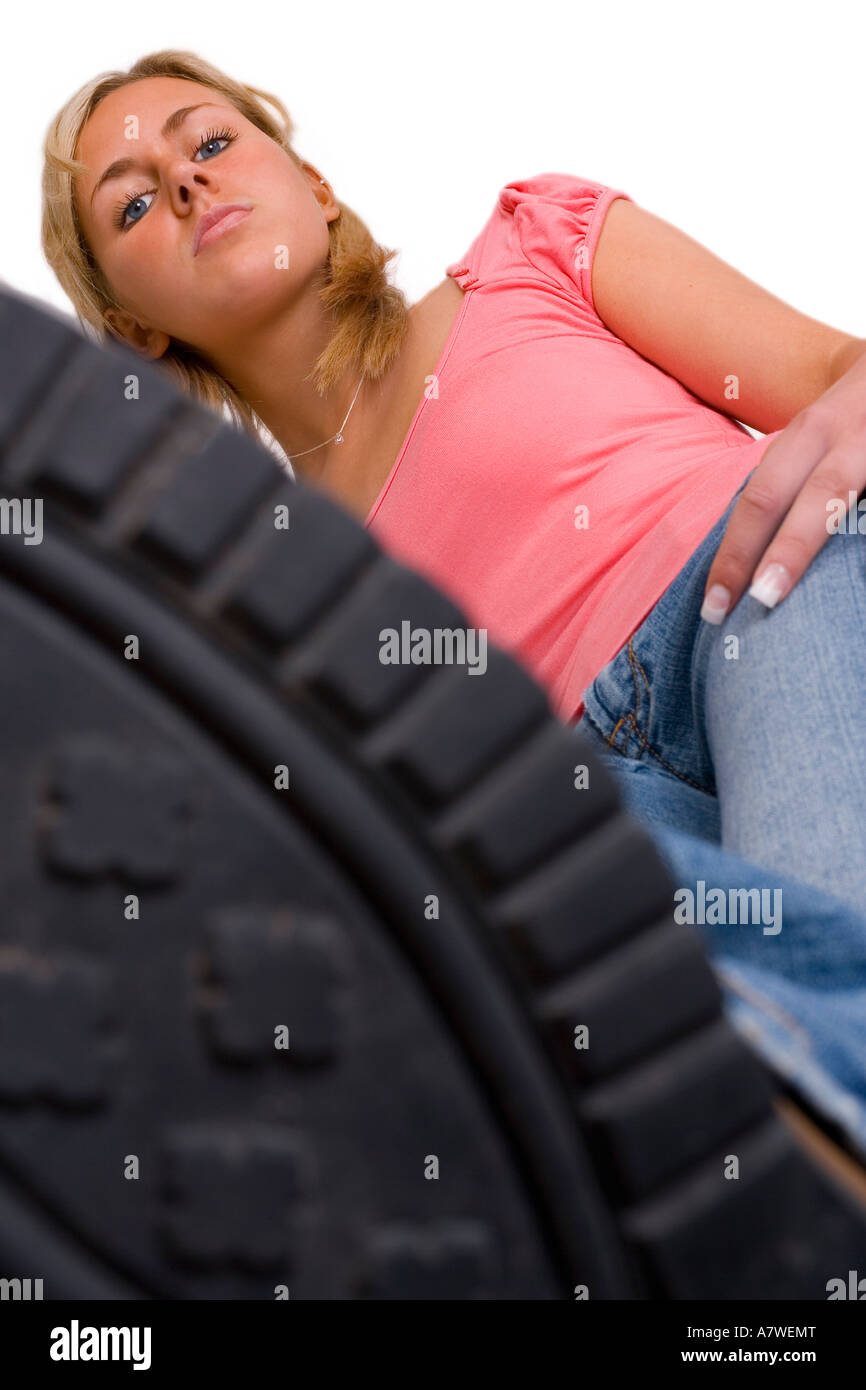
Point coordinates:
pixel 335 438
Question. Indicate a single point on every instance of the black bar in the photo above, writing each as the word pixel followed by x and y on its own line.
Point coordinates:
pixel 243 1337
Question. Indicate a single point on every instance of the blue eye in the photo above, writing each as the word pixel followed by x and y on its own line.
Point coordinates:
pixel 211 137
pixel 139 197
pixel 214 140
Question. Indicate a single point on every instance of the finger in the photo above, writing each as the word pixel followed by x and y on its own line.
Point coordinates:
pixel 758 514
pixel 808 524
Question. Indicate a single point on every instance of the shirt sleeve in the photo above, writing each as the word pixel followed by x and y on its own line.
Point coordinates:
pixel 558 220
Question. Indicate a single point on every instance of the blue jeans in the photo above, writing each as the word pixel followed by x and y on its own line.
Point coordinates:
pixel 738 747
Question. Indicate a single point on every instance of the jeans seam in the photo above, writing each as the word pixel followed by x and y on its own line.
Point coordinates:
pixel 633 662
pixel 632 718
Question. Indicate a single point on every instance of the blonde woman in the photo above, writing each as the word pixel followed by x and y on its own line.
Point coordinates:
pixel 552 436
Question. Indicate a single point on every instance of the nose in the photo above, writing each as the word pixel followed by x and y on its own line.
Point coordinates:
pixel 184 179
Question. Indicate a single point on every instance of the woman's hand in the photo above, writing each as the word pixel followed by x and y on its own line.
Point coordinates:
pixel 794 499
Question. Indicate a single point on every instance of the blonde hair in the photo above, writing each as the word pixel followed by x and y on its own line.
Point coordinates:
pixel 370 314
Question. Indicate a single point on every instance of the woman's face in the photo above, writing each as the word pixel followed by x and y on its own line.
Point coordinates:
pixel 211 156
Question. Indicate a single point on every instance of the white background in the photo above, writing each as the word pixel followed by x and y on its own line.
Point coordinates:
pixel 742 123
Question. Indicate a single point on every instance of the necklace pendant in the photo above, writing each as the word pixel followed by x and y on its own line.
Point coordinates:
pixel 338 439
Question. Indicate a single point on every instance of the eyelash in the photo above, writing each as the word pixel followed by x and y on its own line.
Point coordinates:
pixel 122 207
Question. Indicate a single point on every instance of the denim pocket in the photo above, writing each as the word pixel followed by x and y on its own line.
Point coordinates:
pixel 647 702
pixel 643 709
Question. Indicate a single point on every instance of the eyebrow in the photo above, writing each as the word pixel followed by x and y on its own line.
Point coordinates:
pixel 122 166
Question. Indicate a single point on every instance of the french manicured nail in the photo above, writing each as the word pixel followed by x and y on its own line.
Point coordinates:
pixel 771 585
pixel 716 604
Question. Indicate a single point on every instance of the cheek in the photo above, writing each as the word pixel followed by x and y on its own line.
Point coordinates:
pixel 143 278
pixel 135 269
pixel 148 251
pixel 268 167
pixel 264 177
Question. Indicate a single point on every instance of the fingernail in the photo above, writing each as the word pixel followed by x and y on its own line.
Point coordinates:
pixel 771 585
pixel 716 604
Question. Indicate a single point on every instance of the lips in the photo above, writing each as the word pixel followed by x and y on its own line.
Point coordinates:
pixel 216 215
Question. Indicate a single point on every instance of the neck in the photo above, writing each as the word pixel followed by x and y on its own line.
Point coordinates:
pixel 270 368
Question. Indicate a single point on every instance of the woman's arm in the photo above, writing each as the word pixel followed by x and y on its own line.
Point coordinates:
pixel 703 322
pixel 845 357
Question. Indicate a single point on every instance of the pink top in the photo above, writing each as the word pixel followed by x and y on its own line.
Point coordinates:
pixel 553 481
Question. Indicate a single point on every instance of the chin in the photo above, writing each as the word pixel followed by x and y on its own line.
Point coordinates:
pixel 248 269
pixel 252 290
